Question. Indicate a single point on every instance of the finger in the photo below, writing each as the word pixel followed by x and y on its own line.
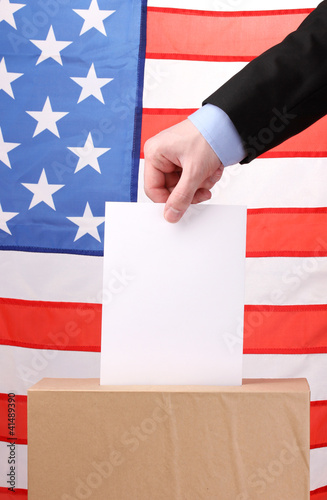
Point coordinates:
pixel 213 179
pixel 155 171
pixel 180 198
pixel 155 185
pixel 201 195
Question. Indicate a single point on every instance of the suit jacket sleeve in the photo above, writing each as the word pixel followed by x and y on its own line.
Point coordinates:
pixel 281 92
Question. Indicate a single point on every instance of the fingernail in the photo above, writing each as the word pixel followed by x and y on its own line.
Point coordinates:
pixel 173 215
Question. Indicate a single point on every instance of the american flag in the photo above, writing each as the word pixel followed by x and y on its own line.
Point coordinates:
pixel 73 75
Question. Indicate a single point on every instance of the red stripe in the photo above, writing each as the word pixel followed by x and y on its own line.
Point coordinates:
pixel 78 326
pixel 290 232
pixel 168 111
pixel 19 494
pixel 318 422
pixel 284 210
pixel 240 13
pixel 197 57
pixel 267 329
pixel 284 329
pixel 20 420
pixel 294 154
pixel 286 253
pixel 319 494
pixel 53 325
pixel 180 33
pixel 12 440
pixel 156 120
pixel 312 142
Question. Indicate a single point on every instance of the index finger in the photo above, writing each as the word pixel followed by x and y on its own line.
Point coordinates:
pixel 155 183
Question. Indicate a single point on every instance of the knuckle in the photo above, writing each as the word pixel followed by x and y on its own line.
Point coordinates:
pixel 148 148
pixel 151 147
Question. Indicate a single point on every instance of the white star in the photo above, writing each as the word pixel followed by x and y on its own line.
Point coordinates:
pixel 5 147
pixel 87 224
pixel 50 47
pixel 46 119
pixel 4 217
pixel 88 155
pixel 6 77
pixel 7 11
pixel 93 17
pixel 91 85
pixel 42 191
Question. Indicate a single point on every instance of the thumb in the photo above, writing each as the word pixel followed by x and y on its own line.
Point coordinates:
pixel 180 198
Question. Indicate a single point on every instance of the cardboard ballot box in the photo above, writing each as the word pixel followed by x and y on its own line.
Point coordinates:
pixel 87 441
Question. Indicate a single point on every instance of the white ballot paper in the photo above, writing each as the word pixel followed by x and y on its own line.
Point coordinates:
pixel 173 296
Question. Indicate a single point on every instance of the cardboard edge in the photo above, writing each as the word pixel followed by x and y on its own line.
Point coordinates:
pixel 248 386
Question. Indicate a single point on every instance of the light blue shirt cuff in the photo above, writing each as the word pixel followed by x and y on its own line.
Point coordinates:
pixel 220 132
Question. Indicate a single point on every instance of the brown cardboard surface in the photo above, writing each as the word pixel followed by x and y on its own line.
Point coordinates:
pixel 170 443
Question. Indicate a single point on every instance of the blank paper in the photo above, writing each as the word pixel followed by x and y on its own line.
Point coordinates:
pixel 173 296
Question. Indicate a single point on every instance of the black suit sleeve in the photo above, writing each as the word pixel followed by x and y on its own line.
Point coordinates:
pixel 281 92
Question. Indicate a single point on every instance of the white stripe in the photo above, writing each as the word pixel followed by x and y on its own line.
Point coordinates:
pixel 269 182
pixel 234 5
pixel 274 182
pixel 141 196
pixel 22 367
pixel 313 367
pixel 51 277
pixel 184 84
pixel 19 453
pixel 286 280
pixel 318 466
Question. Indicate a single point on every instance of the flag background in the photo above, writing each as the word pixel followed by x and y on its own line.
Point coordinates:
pixel 51 280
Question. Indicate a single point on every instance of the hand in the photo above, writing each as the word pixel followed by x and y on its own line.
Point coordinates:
pixel 180 169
